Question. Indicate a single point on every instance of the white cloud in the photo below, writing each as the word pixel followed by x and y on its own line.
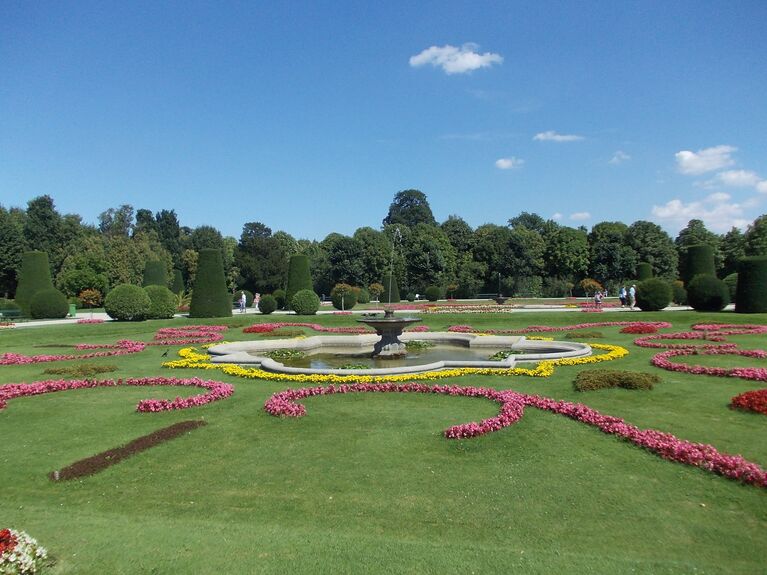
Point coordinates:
pixel 509 163
pixel 762 187
pixel 738 178
pixel 557 216
pixel 716 211
pixel 454 60
pixel 706 160
pixel 578 216
pixel 552 136
pixel 619 157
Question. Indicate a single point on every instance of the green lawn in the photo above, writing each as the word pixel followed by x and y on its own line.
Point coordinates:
pixel 367 484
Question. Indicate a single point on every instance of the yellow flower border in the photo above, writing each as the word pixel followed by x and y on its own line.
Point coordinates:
pixel 191 358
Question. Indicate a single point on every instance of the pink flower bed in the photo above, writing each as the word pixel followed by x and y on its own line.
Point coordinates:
pixel 267 327
pixel 215 390
pixel 189 334
pixel 86 321
pixel 754 373
pixel 512 408
pixel 751 401
pixel 122 347
pixel 548 328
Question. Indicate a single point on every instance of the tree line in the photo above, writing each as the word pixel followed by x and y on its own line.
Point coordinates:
pixel 530 256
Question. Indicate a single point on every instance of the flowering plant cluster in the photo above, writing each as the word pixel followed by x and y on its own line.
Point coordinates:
pixel 215 390
pixel 189 334
pixel 122 347
pixel 267 327
pixel 488 308
pixel 342 313
pixel 548 328
pixel 7 324
pixel 19 553
pixel 754 373
pixel 93 320
pixel 639 329
pixel 512 403
pixel 751 401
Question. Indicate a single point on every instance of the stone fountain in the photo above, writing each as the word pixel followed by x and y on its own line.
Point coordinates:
pixel 389 327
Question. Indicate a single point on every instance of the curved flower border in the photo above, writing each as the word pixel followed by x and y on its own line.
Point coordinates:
pixel 754 373
pixel 216 390
pixel 512 403
pixel 548 328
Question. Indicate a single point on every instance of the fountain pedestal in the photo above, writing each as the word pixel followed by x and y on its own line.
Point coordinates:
pixel 389 327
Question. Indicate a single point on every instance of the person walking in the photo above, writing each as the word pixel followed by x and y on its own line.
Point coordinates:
pixel 243 300
pixel 632 296
pixel 256 301
pixel 622 296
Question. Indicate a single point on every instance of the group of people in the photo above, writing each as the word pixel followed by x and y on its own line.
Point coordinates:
pixel 628 298
pixel 244 301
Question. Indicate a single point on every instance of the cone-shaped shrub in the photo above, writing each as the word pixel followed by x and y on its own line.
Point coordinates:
pixel 155 274
pixel 163 302
pixel 178 282
pixel 751 294
pixel 35 276
pixel 699 259
pixel 394 289
pixel 127 302
pixel 644 271
pixel 707 293
pixel 653 294
pixel 210 297
pixel 49 304
pixel 305 302
pixel 299 277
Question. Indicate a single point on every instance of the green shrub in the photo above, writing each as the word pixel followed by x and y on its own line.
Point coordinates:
pixel 267 304
pixel 592 379
pixel 433 293
pixel 210 297
pixel 155 274
pixel 35 275
pixel 248 298
pixel 280 296
pixel 389 296
pixel 653 294
pixel 752 285
pixel 81 370
pixel 698 259
pixel 49 304
pixel 644 271
pixel 299 277
pixel 707 293
pixel 410 296
pixel 284 332
pixel 163 302
pixel 363 296
pixel 678 292
pixel 8 305
pixel 127 302
pixel 305 302
pixel 343 297
pixel 732 285
pixel 178 282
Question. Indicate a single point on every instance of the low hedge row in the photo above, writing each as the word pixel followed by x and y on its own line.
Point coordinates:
pixel 593 379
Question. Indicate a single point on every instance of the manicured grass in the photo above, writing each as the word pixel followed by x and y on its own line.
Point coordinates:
pixel 366 483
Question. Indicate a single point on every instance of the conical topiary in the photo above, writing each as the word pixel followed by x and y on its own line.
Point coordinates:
pixel 299 277
pixel 178 282
pixel 35 275
pixel 155 274
pixel 209 296
pixel 388 281
pixel 699 259
pixel 751 292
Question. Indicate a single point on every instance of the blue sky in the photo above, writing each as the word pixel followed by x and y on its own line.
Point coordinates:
pixel 311 116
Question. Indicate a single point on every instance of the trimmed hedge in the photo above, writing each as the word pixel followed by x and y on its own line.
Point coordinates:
pixel 732 285
pixel 678 292
pixel 363 296
pixel 267 304
pixel 155 274
pixel 751 294
pixel 210 298
pixel 433 293
pixel 299 277
pixel 35 275
pixel 127 302
pixel 163 302
pixel 178 282
pixel 593 379
pixel 49 304
pixel 707 293
pixel 279 295
pixel 653 294
pixel 644 271
pixel 305 302
pixel 698 259
pixel 395 298
pixel 347 292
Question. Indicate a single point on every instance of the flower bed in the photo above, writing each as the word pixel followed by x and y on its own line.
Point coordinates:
pixel 88 321
pixel 753 373
pixel 20 554
pixel 751 401
pixel 548 328
pixel 267 327
pixel 639 329
pixel 512 403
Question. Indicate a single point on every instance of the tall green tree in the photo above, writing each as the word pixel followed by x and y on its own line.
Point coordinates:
pixel 86 267
pixel 755 239
pixel 655 247
pixel 346 265
pixel 567 253
pixel 612 259
pixel 375 251
pixel 410 207
pixel 430 258
pixel 733 248
pixel 695 233
pixel 169 232
pixel 117 222
pixel 459 233
pixel 12 242
pixel 261 259
pixel 42 227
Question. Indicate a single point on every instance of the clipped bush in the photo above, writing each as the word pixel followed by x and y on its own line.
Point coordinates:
pixel 35 275
pixel 387 295
pixel 732 285
pixel 267 304
pixel 299 277
pixel 698 259
pixel 210 297
pixel 163 302
pixel 155 274
pixel 375 290
pixel 281 297
pixel 751 294
pixel 343 297
pixel 410 296
pixel 178 282
pixel 593 379
pixel 644 271
pixel 248 298
pixel 433 293
pixel 49 304
pixel 707 293
pixel 363 296
pixel 305 302
pixel 653 294
pixel 127 302
pixel 678 292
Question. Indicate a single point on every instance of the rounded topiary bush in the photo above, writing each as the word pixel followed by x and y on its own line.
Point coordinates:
pixel 433 293
pixel 127 302
pixel 267 304
pixel 707 293
pixel 49 304
pixel 732 285
pixel 363 296
pixel 281 297
pixel 644 271
pixel 678 292
pixel 163 302
pixel 305 302
pixel 653 294
pixel 343 297
pixel 751 295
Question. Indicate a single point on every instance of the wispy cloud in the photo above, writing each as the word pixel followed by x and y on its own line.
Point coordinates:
pixel 716 211
pixel 580 216
pixel 619 157
pixel 706 160
pixel 455 60
pixel 557 216
pixel 511 163
pixel 552 136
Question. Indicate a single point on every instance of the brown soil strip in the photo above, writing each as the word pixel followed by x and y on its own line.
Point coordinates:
pixel 99 462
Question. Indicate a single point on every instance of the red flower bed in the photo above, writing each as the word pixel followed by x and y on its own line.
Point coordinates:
pixel 639 328
pixel 751 401
pixel 7 541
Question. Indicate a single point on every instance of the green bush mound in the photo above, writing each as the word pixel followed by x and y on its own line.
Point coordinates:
pixel 49 304
pixel 707 293
pixel 343 297
pixel 593 379
pixel 163 302
pixel 267 304
pixel 583 335
pixel 281 297
pixel 305 302
pixel 155 274
pixel 210 298
pixel 299 277
pixel 127 302
pixel 653 294
pixel 81 370
pixel 35 275
pixel 751 295
pixel 433 293
pixel 678 292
